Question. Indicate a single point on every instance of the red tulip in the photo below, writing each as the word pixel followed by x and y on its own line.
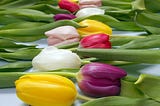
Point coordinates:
pixel 69 5
pixel 95 41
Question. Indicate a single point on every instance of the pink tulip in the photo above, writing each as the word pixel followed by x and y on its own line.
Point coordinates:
pixel 62 35
pixel 95 41
pixel 90 3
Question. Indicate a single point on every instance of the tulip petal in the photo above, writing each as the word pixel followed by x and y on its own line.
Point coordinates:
pixel 46 90
pixel 68 5
pixel 64 17
pixel 95 41
pixel 88 3
pixel 62 35
pixel 89 11
pixel 98 91
pixel 54 59
pixel 101 70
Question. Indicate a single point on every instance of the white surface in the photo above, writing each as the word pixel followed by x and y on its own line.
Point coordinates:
pixel 8 98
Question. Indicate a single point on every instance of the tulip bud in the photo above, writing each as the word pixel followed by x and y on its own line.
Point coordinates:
pixel 51 58
pixel 62 35
pixel 69 5
pixel 64 17
pixel 90 3
pixel 93 27
pixel 99 80
pixel 95 41
pixel 46 90
pixel 89 11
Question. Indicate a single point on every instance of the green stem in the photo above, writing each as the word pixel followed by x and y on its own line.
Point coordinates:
pixel 130 55
pixel 84 98
pixel 72 49
pixel 83 62
pixel 88 60
pixel 66 74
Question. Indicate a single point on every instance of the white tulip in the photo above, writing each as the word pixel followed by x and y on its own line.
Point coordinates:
pixel 89 11
pixel 51 58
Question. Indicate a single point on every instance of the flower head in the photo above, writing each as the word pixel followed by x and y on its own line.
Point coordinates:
pixel 46 90
pixel 95 41
pixel 62 35
pixel 89 11
pixel 51 58
pixel 99 79
pixel 69 5
pixel 58 17
pixel 90 3
pixel 93 27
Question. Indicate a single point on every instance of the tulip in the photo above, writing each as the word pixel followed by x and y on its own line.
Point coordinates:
pixel 62 35
pixel 69 5
pixel 99 79
pixel 90 3
pixel 46 90
pixel 95 41
pixel 64 17
pixel 89 11
pixel 51 58
pixel 93 27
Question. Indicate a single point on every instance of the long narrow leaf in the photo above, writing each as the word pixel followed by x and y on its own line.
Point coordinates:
pixel 139 56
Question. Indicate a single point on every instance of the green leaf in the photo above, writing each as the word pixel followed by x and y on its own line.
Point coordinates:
pixel 102 18
pixel 36 32
pixel 139 56
pixel 22 54
pixel 5 4
pixel 27 14
pixel 149 85
pixel 49 9
pixel 147 18
pixel 152 30
pixel 138 5
pixel 143 43
pixel 125 26
pixel 118 40
pixel 125 4
pixel 114 101
pixel 128 88
pixel 19 66
pixel 7 19
pixel 8 78
pixel 152 5
pixel 4 44
pixel 22 25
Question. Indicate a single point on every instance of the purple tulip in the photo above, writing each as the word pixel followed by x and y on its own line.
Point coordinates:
pixel 64 17
pixel 99 79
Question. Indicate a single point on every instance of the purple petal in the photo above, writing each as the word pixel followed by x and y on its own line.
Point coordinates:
pixel 101 70
pixel 98 91
pixel 64 17
pixel 101 82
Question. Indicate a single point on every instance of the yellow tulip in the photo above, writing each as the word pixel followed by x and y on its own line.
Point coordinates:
pixel 93 27
pixel 76 1
pixel 46 90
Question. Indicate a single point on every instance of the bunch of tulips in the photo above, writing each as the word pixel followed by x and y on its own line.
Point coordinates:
pixel 82 59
